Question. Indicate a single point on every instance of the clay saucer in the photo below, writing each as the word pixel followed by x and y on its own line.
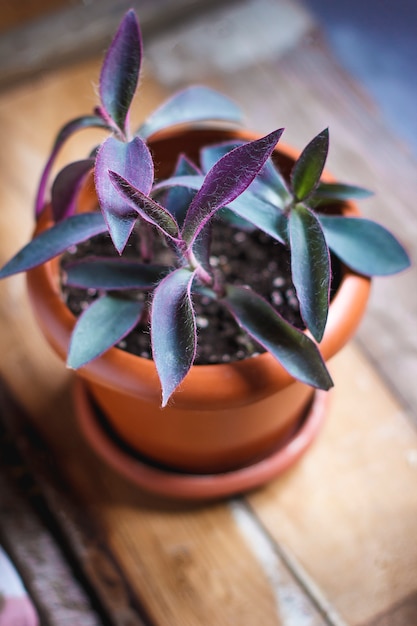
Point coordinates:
pixel 186 486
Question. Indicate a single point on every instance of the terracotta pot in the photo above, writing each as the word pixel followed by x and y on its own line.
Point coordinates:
pixel 223 416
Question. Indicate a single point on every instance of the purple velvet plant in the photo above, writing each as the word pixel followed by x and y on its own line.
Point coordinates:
pixel 237 181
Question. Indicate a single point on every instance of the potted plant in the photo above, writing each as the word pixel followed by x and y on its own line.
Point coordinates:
pixel 174 243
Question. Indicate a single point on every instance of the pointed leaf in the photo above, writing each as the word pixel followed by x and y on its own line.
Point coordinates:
pixel 147 208
pixel 268 184
pixel 364 245
pixel 209 155
pixel 55 241
pixel 194 104
pixel 90 121
pixel 328 192
pixel 310 268
pixel 305 175
pixel 133 161
pixel 106 321
pixel 292 348
pixel 226 180
pixel 261 214
pixel 66 187
pixel 250 209
pixel 120 71
pixel 173 330
pixel 113 274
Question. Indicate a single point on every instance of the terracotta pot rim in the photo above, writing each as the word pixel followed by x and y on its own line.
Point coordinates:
pixel 221 385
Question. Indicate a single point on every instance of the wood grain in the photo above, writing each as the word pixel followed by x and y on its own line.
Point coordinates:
pixel 353 528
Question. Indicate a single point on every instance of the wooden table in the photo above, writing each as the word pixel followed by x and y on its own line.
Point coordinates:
pixel 331 542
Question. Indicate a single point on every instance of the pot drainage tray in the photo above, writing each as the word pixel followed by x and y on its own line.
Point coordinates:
pixel 186 486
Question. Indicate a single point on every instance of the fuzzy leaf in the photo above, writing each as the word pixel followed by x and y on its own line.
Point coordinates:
pixel 123 157
pixel 310 268
pixel 292 348
pixel 226 180
pixel 209 155
pixel 113 274
pixel 66 186
pixel 328 192
pixel 106 321
pixel 250 209
pixel 268 184
pixel 54 241
pixel 305 175
pixel 194 104
pixel 120 71
pixel 147 208
pixel 173 330
pixel 90 121
pixel 364 245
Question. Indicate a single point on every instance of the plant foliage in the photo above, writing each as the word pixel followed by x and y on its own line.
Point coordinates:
pixel 237 182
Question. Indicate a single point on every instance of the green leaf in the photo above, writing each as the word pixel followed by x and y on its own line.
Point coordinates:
pixel 308 168
pixel 54 241
pixel 101 326
pixel 173 330
pixel 113 274
pixel 194 104
pixel 364 245
pixel 297 353
pixel 178 199
pixel 310 268
pixel 339 192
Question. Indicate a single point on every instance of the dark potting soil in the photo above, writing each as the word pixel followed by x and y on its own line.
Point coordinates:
pixel 243 258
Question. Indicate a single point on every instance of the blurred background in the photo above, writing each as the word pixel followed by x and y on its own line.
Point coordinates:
pixel 375 40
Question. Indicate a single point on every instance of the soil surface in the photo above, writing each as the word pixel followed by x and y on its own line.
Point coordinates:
pixel 243 258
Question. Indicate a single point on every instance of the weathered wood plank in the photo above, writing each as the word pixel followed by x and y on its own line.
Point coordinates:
pixel 347 511
pixel 59 551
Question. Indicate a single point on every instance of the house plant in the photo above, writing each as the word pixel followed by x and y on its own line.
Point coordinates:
pixel 226 181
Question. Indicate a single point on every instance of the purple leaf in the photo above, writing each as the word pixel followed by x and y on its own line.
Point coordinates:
pixel 196 103
pixel 54 241
pixel 146 207
pixel 106 321
pixel 310 268
pixel 66 187
pixel 113 274
pixel 291 347
pixel 173 330
pixel 364 245
pixel 69 129
pixel 226 180
pixel 133 161
pixel 120 71
pixel 268 184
